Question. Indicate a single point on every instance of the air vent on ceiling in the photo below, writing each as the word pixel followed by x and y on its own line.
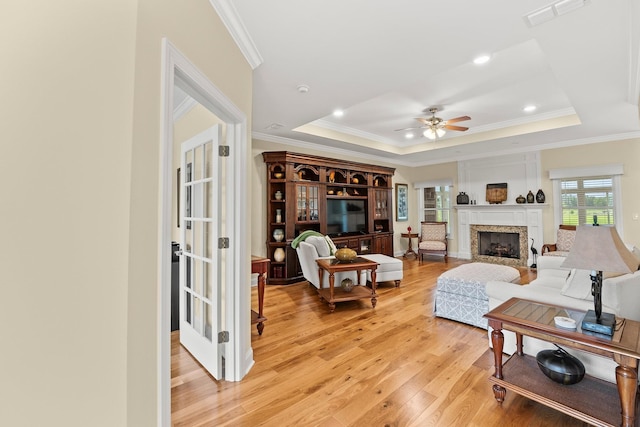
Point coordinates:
pixel 553 10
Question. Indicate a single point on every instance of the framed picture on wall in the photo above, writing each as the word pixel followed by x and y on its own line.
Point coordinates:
pixel 402 202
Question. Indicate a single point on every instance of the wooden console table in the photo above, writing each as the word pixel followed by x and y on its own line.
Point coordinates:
pixel 333 295
pixel 261 266
pixel 592 400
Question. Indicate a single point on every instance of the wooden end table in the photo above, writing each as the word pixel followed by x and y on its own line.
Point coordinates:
pixel 410 250
pixel 333 295
pixel 592 400
pixel 259 265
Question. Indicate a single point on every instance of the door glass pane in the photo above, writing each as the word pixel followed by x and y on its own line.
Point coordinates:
pixel 187 307
pixel 208 323
pixel 208 280
pixel 197 163
pixel 207 202
pixel 208 240
pixel 197 314
pixel 187 271
pixel 197 233
pixel 197 278
pixel 208 158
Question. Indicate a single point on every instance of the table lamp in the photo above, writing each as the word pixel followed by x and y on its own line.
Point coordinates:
pixel 599 248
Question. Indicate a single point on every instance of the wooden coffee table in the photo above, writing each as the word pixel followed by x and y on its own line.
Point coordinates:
pixel 333 295
pixel 592 400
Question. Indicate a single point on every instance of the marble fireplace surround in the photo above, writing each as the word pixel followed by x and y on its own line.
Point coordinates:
pixel 525 219
pixel 475 230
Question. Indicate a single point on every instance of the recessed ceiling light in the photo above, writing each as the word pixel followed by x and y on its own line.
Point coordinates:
pixel 338 113
pixel 482 59
pixel 303 88
pixel 409 135
pixel 529 108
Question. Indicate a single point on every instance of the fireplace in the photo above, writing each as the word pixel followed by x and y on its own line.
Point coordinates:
pixel 499 244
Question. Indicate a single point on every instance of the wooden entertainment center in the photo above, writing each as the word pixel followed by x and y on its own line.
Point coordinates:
pixel 303 190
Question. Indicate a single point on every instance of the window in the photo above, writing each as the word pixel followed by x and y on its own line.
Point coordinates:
pixel 583 194
pixel 587 200
pixel 436 204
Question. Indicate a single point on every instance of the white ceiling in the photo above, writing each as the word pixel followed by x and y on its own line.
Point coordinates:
pixel 383 62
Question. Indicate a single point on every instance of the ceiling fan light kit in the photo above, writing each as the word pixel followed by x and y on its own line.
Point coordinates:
pixel 434 127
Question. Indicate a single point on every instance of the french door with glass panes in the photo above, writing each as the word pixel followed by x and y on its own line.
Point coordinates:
pixel 200 264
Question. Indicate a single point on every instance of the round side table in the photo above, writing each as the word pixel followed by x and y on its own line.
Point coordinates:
pixel 410 250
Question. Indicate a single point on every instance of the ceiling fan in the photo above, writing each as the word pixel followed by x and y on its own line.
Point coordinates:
pixel 435 127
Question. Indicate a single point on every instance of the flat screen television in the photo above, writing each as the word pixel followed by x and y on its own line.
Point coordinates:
pixel 346 216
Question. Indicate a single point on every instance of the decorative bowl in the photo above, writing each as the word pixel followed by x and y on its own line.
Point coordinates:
pixel 560 366
pixel 278 175
pixel 346 255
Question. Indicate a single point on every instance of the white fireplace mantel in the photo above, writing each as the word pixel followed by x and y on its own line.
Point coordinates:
pixel 503 206
pixel 529 215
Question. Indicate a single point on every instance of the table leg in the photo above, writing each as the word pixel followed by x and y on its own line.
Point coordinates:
pixel 519 349
pixel 627 381
pixel 374 296
pixel 261 281
pixel 332 305
pixel 497 340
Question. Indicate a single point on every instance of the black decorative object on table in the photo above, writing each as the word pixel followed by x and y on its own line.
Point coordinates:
pixel 540 197
pixel 560 366
pixel 530 197
pixel 462 198
pixel 521 199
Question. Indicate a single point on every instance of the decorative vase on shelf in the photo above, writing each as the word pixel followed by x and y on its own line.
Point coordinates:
pixel 540 198
pixel 521 199
pixel 278 234
pixel 347 285
pixel 278 255
pixel 278 215
pixel 530 197
pixel 278 195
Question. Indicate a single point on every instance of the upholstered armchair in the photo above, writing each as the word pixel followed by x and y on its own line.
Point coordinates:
pixel 564 241
pixel 432 239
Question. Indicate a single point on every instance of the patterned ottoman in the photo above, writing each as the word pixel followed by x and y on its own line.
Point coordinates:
pixel 460 291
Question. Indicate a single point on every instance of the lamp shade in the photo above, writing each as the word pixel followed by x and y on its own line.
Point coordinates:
pixel 600 248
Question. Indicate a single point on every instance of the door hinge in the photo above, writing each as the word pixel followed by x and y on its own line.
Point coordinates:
pixel 223 243
pixel 223 150
pixel 223 337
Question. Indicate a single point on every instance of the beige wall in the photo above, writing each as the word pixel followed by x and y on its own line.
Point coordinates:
pixel 195 29
pixel 66 103
pixel 625 152
pixel 80 166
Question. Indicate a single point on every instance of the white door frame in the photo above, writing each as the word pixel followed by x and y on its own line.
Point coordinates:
pixel 239 355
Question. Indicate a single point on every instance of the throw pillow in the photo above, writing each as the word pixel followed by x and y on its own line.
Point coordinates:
pixel 578 284
pixel 321 245
pixel 565 240
pixel 332 246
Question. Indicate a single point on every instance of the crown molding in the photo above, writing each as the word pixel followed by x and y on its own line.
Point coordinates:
pixel 231 19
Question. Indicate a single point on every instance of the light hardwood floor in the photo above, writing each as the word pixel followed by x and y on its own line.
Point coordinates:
pixel 395 365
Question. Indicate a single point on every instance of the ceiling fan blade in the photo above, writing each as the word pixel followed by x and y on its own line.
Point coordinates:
pixel 424 121
pixel 460 128
pixel 458 119
pixel 419 127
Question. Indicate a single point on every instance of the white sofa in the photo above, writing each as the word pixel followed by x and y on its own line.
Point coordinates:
pixel 570 288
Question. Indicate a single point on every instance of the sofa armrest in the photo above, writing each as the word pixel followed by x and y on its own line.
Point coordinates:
pixel 622 294
pixel 499 292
